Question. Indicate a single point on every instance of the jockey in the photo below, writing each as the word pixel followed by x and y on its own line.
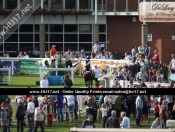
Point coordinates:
pixel 88 64
pixel 52 52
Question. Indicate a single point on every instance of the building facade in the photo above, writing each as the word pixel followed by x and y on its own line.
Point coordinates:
pixel 119 28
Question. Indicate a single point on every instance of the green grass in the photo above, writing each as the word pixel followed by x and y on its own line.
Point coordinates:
pixel 24 81
pixel 65 126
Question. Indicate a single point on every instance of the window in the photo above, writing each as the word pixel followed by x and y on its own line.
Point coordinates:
pixel 11 4
pixel 26 37
pixel 26 47
pixel 72 46
pixel 102 37
pixel 70 28
pixel 85 4
pixel 56 28
pixel 1 4
pixel 70 38
pixel 102 28
pixel 59 47
pixel 46 46
pixel 85 37
pixel 57 4
pixel 70 4
pixel 12 38
pixel 85 28
pixel 37 28
pixel 99 4
pixel 26 28
pixel 86 46
pixel 10 46
pixel 56 37
pixel 37 38
pixel 45 4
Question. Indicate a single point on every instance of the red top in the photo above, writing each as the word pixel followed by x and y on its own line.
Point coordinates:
pixel 156 57
pixel 27 96
pixel 156 109
pixel 96 86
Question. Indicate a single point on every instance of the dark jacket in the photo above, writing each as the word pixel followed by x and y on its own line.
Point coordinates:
pixel 88 124
pixel 20 111
pixel 35 101
pixel 59 104
pixel 113 122
pixel 172 115
pixel 48 108
pixel 68 82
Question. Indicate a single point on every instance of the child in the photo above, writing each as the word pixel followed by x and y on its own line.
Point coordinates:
pixel 156 109
pixel 96 85
pixel 50 111
pixel 104 111
pixel 158 78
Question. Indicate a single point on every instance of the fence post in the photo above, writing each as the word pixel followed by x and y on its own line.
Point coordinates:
pixel 9 74
pixel 72 75
pixel 56 66
pixel 80 67
pixel 40 73
pixel 12 67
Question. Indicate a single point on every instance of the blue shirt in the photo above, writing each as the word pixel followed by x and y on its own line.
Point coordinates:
pixel 52 97
pixel 133 52
pixel 59 104
pixel 75 97
pixel 125 123
pixel 139 102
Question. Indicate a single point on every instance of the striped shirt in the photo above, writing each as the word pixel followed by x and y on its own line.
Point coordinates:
pixel 19 97
pixel 139 103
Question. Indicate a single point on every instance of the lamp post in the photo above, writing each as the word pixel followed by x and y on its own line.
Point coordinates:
pixel 96 26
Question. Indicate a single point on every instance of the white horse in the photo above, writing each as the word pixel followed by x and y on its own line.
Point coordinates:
pixel 46 62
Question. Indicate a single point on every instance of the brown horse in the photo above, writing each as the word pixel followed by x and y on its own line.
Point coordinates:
pixel 88 78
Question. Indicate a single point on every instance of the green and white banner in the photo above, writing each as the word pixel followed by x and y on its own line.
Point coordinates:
pixel 29 66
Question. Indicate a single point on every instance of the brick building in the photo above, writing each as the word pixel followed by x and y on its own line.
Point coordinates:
pixel 117 30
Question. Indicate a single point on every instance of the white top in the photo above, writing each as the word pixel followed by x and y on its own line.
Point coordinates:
pixel 39 114
pixel 26 56
pixel 107 100
pixel 98 56
pixel 44 83
pixel 30 107
pixel 141 49
pixel 96 48
pixel 36 52
pixel 104 112
pixel 68 56
pixel 97 72
pixel 70 99
pixel 64 100
pixel 125 123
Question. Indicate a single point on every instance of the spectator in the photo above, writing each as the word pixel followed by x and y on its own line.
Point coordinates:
pixel 127 57
pixel 5 54
pixel 19 97
pixel 141 49
pixel 30 113
pixel 82 54
pixel 36 52
pixel 65 105
pixel 46 55
pixel 113 121
pixel 4 114
pixel 88 123
pixel 139 107
pixel 163 113
pixel 44 83
pixel 125 105
pixel 156 56
pixel 125 122
pixel 68 56
pixel 158 77
pixel 96 47
pixel 67 81
pixel 20 113
pixel 50 111
pixel 71 105
pixel 53 98
pixel 156 124
pixel 104 111
pixel 108 101
pixel 39 118
pixel 172 114
pixel 142 75
pixel 35 101
pixel 59 107
pixel 172 63
pixel 97 55
pixel 133 52
pixel 148 50
pixel 25 55
pixel 111 56
pixel 97 72
pixel 76 107
pixel 96 85
pixel 9 107
pixel 90 105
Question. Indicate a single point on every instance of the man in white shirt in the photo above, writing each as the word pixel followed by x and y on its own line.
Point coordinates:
pixel 127 57
pixel 97 55
pixel 125 122
pixel 39 118
pixel 96 47
pixel 68 57
pixel 30 113
pixel 97 72
pixel 44 83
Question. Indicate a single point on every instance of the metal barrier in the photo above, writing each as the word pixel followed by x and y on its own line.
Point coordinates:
pixel 118 130
pixel 9 75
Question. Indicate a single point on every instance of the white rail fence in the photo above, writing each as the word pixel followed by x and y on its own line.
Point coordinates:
pixel 9 75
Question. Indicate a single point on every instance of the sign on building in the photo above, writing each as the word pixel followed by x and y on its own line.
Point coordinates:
pixel 173 37
pixel 149 37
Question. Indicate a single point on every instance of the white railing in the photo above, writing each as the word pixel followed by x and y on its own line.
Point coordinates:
pixel 9 75
pixel 58 69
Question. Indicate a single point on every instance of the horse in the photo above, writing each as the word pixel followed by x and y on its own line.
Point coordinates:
pixel 46 62
pixel 88 78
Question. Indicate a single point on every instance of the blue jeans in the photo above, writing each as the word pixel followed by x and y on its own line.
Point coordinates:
pixel 30 117
pixel 65 105
pixel 89 111
pixel 9 123
pixel 139 113
pixel 60 114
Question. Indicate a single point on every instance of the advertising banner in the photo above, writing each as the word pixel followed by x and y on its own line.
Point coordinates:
pixel 7 64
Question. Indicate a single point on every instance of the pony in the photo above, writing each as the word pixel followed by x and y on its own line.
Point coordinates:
pixel 88 78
